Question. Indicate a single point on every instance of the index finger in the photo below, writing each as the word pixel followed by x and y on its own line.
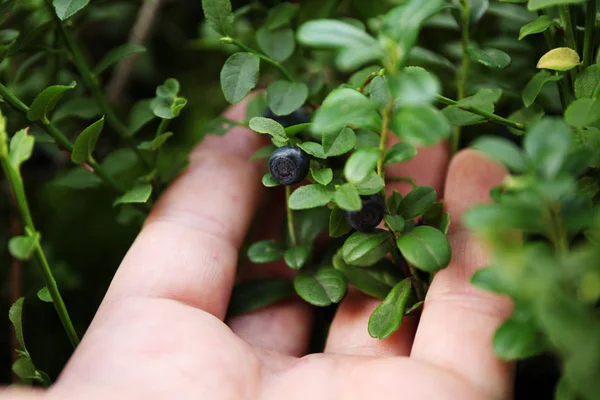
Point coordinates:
pixel 188 248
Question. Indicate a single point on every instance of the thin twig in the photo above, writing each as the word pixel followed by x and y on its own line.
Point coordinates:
pixel 139 35
pixel 464 71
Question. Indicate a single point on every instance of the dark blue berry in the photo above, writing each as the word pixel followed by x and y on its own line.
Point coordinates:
pixel 300 116
pixel 371 214
pixel 289 165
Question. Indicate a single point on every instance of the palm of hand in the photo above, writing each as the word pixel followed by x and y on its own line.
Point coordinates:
pixel 160 332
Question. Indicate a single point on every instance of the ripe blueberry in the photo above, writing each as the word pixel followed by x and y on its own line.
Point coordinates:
pixel 300 116
pixel 367 219
pixel 289 165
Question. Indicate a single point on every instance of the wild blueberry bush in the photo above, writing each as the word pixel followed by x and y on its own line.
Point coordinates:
pixel 330 82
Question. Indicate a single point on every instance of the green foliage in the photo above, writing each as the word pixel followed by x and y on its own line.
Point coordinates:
pixel 86 142
pixel 387 317
pixel 320 287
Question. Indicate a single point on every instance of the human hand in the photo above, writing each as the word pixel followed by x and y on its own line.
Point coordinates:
pixel 159 332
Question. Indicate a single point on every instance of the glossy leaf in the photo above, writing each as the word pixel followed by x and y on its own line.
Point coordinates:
pixel 376 281
pixel 44 295
pixel 395 222
pixel 484 100
pixel 491 58
pixel 504 151
pixel 420 126
pixel 67 8
pixel 417 202
pixel 583 112
pixel 360 164
pixel 539 4
pixel 279 44
pixel 338 143
pixel 253 295
pixel 399 153
pixel 323 176
pixel 388 316
pixel 239 76
pixel 366 249
pixel 46 101
pixel 22 247
pixel 426 248
pixel 310 196
pixel 322 287
pixel 518 338
pixel 139 194
pixel 338 225
pixel 347 198
pixel 414 86
pixel 330 33
pixel 548 143
pixel 372 184
pixel 86 142
pixel 296 257
pixel 15 314
pixel 20 149
pixel 117 54
pixel 541 24
pixel 358 111
pixel 265 251
pixel 313 149
pixel 536 84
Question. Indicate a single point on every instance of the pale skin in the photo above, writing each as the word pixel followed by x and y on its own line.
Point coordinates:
pixel 160 331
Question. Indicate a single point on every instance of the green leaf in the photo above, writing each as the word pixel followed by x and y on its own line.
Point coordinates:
pixel 417 202
pixel 322 287
pixel 536 84
pixel 21 147
pixel 497 217
pixel 86 142
pixel 67 8
pixel 331 33
pixel 379 90
pixel 80 107
pixel 395 222
pixel 583 112
pixel 372 184
pixel 139 194
pixel 271 127
pixel 265 251
pixel 426 248
pixel 490 279
pixel 296 257
pixel 491 58
pixel 518 338
pixel 338 224
pixel 239 76
pixel 548 143
pixel 166 104
pixel 387 317
pixel 15 315
pixel 263 152
pixel 219 15
pixel 539 4
pixel 541 24
pixel 346 107
pixel 45 102
pixel 310 196
pixel 526 116
pixel 253 295
pixel 141 114
pixel 44 295
pixel 504 151
pixel 560 59
pixel 117 54
pixel 402 24
pixel 414 86
pixel 336 143
pixel 23 367
pixel 279 44
pixel 281 15
pixel 324 176
pixel 22 247
pixel 393 202
pixel 312 148
pixel 269 181
pixel 78 178
pixel 587 82
pixel 366 249
pixel 376 281
pixel 157 142
pixel 286 97
pixel 347 198
pixel 399 153
pixel 360 164
pixel 484 99
pixel 420 126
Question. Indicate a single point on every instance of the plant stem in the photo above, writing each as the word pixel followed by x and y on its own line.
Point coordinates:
pixel 90 80
pixel 263 57
pixel 59 137
pixel 162 127
pixel 565 19
pixel 490 116
pixel 563 85
pixel 590 30
pixel 19 192
pixel 290 217
pixel 464 70
pixel 419 288
pixel 383 142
